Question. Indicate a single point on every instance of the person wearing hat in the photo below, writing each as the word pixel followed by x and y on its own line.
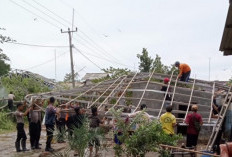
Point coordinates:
pixel 164 89
pixel 194 122
pixel 184 71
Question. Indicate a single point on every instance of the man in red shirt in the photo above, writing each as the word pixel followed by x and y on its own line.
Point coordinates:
pixel 194 122
pixel 184 71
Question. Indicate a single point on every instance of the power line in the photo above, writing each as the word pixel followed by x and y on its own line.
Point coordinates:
pixel 51 11
pixel 34 13
pixel 44 13
pixel 87 58
pixel 35 45
pixel 46 62
pixel 97 45
pixel 110 61
pixel 54 20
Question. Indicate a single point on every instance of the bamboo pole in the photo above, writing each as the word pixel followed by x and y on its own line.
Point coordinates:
pixel 144 91
pixel 103 93
pixel 123 91
pixel 174 91
pixel 190 99
pixel 187 150
pixel 166 93
pixel 211 109
pixel 111 93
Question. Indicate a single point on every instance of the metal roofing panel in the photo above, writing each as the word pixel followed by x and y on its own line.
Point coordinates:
pixel 226 43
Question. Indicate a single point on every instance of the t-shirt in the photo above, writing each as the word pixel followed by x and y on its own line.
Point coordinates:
pixel 19 117
pixel 184 68
pixel 76 121
pixel 167 120
pixel 168 97
pixel 34 116
pixel 191 124
pixel 11 96
pixel 94 121
pixel 50 116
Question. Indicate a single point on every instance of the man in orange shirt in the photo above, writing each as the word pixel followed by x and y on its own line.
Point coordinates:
pixel 184 71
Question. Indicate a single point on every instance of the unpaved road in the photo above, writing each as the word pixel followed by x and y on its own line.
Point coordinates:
pixel 7 148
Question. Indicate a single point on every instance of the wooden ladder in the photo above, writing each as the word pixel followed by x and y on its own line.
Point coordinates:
pixel 220 119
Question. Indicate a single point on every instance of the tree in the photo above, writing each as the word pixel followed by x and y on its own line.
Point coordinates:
pixel 22 86
pixel 146 61
pixel 68 77
pixel 158 66
pixel 116 72
pixel 4 66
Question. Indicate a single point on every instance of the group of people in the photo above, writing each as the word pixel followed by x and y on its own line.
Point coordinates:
pixel 193 121
pixel 57 117
pixel 54 117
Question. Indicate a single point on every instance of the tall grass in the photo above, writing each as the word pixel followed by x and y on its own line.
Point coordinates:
pixel 6 122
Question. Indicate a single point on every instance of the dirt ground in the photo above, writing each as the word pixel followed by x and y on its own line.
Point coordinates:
pixel 7 148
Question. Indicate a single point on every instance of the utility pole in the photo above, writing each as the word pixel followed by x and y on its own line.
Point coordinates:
pixel 71 54
pixel 209 67
pixel 55 63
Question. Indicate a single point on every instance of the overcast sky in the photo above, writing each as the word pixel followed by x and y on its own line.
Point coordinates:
pixel 112 32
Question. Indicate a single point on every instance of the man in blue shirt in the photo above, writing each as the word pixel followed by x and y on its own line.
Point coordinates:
pixel 50 117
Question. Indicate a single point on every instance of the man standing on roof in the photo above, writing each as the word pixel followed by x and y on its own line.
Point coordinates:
pixel 184 71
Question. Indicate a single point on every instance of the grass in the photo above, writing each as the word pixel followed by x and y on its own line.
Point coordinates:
pixel 7 124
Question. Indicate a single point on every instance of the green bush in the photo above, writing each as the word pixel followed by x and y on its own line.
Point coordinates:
pixel 7 123
pixel 22 86
pixel 146 138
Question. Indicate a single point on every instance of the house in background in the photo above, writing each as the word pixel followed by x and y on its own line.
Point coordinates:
pixel 226 43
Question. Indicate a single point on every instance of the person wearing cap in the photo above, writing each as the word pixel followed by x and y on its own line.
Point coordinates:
pixel 164 89
pixel 184 71
pixel 194 122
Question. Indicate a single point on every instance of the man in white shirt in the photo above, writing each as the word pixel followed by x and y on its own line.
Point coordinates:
pixel 11 101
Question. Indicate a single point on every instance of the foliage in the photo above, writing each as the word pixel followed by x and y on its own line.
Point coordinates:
pixel 146 61
pixel 4 66
pixel 68 77
pixel 81 137
pixel 146 138
pixel 116 72
pixel 230 82
pixel 6 123
pixel 148 64
pixel 22 86
pixel 158 66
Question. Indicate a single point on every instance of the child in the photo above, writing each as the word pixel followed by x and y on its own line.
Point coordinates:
pixel 50 117
pixel 21 135
pixel 94 123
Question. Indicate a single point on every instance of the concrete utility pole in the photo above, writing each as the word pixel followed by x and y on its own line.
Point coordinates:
pixel 71 54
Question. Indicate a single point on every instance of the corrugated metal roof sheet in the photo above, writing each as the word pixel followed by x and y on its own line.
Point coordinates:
pixel 226 43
